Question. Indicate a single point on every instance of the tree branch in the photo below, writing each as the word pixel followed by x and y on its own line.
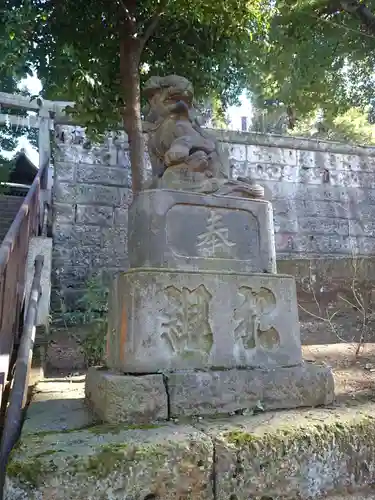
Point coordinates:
pixel 129 17
pixel 333 7
pixel 150 29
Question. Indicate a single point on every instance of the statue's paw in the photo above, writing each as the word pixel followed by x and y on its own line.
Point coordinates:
pixel 242 190
pixel 176 156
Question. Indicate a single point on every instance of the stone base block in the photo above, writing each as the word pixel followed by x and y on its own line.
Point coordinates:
pixel 123 398
pixel 147 398
pixel 211 393
pixel 163 321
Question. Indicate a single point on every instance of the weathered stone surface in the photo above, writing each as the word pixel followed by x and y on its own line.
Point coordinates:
pixel 193 231
pixel 94 215
pixel 109 176
pixel 90 193
pixel 368 494
pixel 227 391
pixel 162 320
pixel 65 171
pixel 125 398
pixel 294 454
pixel 283 156
pixel 66 257
pixel 121 219
pixel 63 213
pixel 73 235
pixel 167 462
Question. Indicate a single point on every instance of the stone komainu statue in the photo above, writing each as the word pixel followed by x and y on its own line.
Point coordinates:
pixel 183 155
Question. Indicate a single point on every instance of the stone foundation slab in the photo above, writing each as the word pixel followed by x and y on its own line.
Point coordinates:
pixel 148 398
pixel 125 398
pixel 304 454
pixel 212 393
pixel 165 462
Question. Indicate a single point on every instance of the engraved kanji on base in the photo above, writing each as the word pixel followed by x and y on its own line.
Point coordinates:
pixel 255 327
pixel 185 326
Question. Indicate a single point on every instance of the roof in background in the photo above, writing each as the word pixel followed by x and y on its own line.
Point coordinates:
pixel 24 171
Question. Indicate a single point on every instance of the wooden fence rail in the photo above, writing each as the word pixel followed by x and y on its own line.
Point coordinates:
pixel 28 222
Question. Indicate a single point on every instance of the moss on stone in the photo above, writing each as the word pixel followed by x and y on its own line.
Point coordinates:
pixel 47 453
pixel 30 471
pixel 113 456
pixel 304 437
pixel 117 428
pixel 107 460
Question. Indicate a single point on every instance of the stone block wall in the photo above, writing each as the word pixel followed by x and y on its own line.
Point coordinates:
pixel 323 196
pixel 91 194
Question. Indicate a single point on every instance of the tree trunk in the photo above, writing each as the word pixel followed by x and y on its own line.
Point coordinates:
pixel 130 80
pixel 360 10
pixel 292 120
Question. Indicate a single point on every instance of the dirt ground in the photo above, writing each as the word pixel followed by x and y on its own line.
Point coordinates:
pixel 354 375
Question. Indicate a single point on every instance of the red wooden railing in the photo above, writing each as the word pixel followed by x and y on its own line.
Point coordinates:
pixel 13 260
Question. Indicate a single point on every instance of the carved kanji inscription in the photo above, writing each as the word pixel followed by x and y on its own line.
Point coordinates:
pixel 254 316
pixel 214 241
pixel 185 326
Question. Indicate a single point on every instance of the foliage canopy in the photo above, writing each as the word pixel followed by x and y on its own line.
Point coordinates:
pixel 74 45
pixel 303 53
pixel 97 53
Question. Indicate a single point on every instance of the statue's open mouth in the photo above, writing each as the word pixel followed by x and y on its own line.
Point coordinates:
pixel 185 97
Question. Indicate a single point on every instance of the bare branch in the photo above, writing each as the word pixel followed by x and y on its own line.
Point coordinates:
pixel 347 301
pixel 327 320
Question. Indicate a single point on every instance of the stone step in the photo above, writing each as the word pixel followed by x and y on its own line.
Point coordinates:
pixel 4 226
pixel 287 454
pixel 9 206
pixel 9 214
pixel 10 202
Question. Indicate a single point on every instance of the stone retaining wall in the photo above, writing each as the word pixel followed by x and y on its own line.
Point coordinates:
pixel 323 196
pixel 90 198
pixel 313 453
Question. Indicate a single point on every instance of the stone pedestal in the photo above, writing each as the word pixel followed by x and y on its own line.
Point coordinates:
pixel 202 324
